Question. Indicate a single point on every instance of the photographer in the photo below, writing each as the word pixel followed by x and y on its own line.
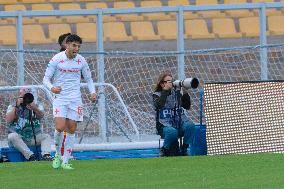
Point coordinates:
pixel 21 131
pixel 169 123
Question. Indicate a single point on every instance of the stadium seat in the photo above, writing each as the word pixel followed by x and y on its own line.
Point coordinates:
pixel 10 2
pixel 16 7
pixel 209 14
pixel 276 25
pixel 178 3
pixel 269 12
pixel 96 5
pixel 197 29
pixel 187 14
pixel 44 6
pixel 115 32
pixel 99 5
pixel 72 19
pixel 45 19
pixel 218 25
pixel 33 34
pixel 8 35
pixel 61 1
pixel 143 31
pixel 249 27
pixel 55 30
pixel 154 16
pixel 126 17
pixel 87 31
pixel 238 13
pixel 33 1
pixel 167 29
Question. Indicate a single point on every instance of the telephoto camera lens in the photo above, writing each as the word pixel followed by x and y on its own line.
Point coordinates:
pixel 187 83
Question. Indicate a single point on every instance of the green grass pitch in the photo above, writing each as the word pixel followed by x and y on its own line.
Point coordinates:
pixel 228 171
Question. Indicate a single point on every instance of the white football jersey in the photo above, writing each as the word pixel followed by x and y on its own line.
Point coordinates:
pixel 66 73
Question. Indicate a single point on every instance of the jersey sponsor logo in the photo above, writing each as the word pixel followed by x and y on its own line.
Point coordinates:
pixel 69 70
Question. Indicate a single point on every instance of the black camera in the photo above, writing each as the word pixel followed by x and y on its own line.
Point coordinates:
pixel 27 99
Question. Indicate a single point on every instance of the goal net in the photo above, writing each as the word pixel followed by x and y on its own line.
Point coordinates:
pixel 134 76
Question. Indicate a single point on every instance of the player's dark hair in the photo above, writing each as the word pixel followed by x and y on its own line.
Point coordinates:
pixel 62 37
pixel 73 38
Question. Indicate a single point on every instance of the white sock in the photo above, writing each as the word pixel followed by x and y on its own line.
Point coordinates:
pixel 69 143
pixel 58 137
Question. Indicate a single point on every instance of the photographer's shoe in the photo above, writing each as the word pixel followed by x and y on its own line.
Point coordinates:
pixel 183 150
pixel 164 152
pixel 32 158
pixel 56 162
pixel 46 157
pixel 67 166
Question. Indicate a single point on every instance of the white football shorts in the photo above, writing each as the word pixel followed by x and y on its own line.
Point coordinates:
pixel 72 110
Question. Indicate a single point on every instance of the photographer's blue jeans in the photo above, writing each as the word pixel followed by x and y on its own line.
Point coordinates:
pixel 171 134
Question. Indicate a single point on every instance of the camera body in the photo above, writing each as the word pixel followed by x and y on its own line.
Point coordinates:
pixel 187 83
pixel 28 98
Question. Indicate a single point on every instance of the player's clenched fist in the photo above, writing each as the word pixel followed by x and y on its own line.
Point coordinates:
pixel 56 90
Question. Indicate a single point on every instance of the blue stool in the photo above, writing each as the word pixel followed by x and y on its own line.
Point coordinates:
pixel 199 145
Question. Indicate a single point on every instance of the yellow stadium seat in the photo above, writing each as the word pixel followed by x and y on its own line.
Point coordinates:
pixel 269 12
pixel 99 5
pixel 4 21
pixel 219 24
pixel 115 32
pixel 14 7
pixel 209 14
pixel 72 19
pixel 197 29
pixel 87 31
pixel 249 27
pixel 55 30
pixel 238 13
pixel 33 34
pixel 8 35
pixel 33 1
pixel 276 25
pixel 143 31
pixel 167 29
pixel 45 19
pixel 96 5
pixel 61 1
pixel 178 3
pixel 44 6
pixel 26 20
pixel 8 2
pixel 126 17
pixel 154 16
pixel 186 14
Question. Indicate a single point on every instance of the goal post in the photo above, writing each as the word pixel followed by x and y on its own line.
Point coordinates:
pixel 120 125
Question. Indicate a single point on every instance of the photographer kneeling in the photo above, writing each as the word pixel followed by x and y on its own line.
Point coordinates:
pixel 23 132
pixel 171 122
